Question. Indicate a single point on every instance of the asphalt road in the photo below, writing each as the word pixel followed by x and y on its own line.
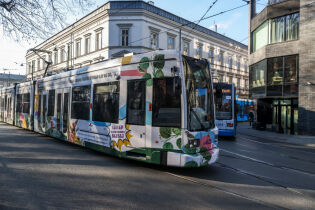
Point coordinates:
pixel 38 172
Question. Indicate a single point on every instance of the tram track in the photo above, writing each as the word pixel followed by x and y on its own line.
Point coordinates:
pixel 225 191
pixel 283 147
pixel 243 157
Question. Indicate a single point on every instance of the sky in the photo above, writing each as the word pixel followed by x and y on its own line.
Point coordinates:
pixel 233 24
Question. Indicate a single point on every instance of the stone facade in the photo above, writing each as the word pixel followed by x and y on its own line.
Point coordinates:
pixel 304 47
pixel 121 27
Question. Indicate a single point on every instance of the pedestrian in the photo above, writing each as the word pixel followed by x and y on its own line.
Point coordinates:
pixel 251 118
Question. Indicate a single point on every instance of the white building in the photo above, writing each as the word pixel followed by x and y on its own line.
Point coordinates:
pixel 120 27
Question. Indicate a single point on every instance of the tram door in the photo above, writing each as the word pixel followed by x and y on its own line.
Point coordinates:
pixel 62 109
pixel 136 106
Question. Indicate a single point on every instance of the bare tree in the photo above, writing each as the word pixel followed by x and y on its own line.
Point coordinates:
pixel 37 19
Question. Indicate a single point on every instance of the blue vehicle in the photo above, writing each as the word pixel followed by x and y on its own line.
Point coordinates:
pixel 244 107
pixel 225 108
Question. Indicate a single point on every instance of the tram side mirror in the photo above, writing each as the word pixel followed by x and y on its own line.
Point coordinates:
pixel 177 85
pixel 174 71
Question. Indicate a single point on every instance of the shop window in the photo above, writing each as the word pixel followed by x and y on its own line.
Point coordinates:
pixel 136 102
pixel 51 103
pixel 106 102
pixel 257 81
pixel 290 75
pixel 80 107
pixel 275 76
pixel 166 102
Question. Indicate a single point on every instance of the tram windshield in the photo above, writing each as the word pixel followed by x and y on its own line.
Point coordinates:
pixel 223 102
pixel 199 94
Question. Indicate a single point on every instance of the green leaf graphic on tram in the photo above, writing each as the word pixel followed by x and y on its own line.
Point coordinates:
pixel 179 143
pixel 189 150
pixel 165 132
pixel 159 61
pixel 191 164
pixel 147 76
pixel 149 82
pixel 144 64
pixel 168 145
pixel 176 131
pixel 159 74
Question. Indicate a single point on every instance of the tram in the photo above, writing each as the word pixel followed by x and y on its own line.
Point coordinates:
pixel 156 107
pixel 224 95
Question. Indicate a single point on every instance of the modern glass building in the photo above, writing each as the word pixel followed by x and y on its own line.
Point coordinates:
pixel 282 65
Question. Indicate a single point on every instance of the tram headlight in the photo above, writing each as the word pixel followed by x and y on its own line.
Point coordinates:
pixel 193 143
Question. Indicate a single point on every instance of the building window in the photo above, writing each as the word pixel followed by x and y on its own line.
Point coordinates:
pixel 33 66
pixel 29 68
pixel 124 37
pixel 199 51
pixel 220 58
pixel 98 40
pixel 211 55
pixel 170 42
pixel 43 63
pixel 238 83
pixel 50 57
pixel 154 40
pixel 277 29
pixel 245 65
pixel 80 107
pixel 87 44
pixel 186 48
pixel 257 81
pixel 78 48
pixel 275 76
pixel 230 61
pixel 106 102
pixel 292 26
pixel 246 84
pixel 260 36
pixel 69 51
pixel 38 64
pixel 56 57
pixel 238 64
pixel 62 54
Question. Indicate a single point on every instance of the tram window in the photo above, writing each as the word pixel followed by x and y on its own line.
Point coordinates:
pixel 19 103
pixel 80 107
pixel 44 109
pixel 136 102
pixel 39 108
pixel 106 102
pixel 166 102
pixel 51 103
pixel 26 103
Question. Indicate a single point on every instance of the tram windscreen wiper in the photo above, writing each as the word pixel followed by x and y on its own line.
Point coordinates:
pixel 199 121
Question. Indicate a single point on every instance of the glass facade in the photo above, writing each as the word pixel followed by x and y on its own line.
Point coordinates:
pixel 260 36
pixel 285 28
pixel 257 81
pixel 275 77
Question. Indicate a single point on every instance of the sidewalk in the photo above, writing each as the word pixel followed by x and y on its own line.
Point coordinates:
pixel 309 141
